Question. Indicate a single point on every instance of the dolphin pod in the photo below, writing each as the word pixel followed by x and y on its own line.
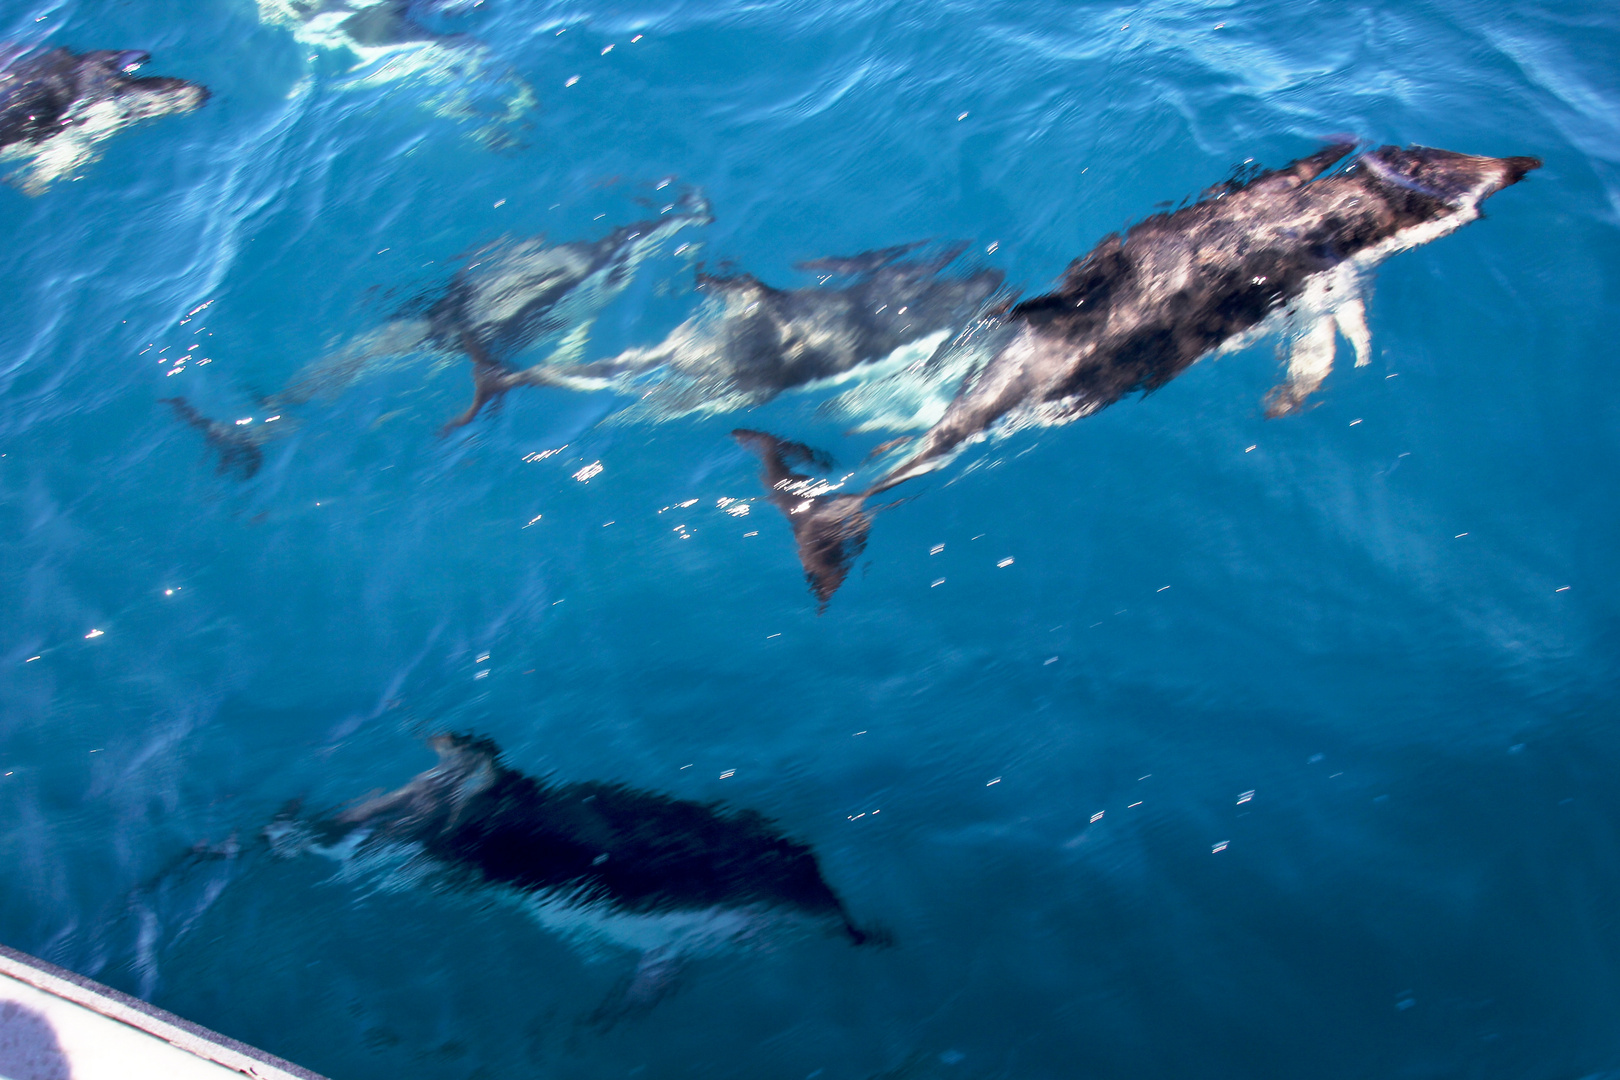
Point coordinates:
pixel 1286 252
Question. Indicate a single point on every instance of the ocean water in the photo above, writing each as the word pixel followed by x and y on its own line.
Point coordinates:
pixel 1279 748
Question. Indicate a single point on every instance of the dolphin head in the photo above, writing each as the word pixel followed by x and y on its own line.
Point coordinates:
pixel 467 764
pixel 1443 175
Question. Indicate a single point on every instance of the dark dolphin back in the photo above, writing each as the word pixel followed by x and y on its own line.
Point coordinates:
pixel 639 851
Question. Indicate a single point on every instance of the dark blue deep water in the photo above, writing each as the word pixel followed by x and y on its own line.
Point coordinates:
pixel 1393 618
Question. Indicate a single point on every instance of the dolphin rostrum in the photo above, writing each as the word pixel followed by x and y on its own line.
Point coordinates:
pixel 749 342
pixel 56 105
pixel 598 862
pixel 1289 251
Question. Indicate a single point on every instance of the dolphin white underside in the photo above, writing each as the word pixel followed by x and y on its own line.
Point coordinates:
pixel 594 927
pixel 75 146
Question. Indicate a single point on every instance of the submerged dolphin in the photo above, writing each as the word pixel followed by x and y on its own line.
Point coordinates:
pixel 750 342
pixel 357 23
pixel 599 862
pixel 55 106
pixel 1288 252
pixel 390 44
pixel 510 297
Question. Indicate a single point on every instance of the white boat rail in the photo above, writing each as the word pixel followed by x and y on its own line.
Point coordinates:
pixel 56 1025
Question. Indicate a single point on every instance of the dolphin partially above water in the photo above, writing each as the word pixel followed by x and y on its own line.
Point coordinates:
pixel 1286 252
pixel 56 106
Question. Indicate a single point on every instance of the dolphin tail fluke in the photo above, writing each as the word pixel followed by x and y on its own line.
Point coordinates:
pixel 830 530
pixel 491 381
pixel 239 451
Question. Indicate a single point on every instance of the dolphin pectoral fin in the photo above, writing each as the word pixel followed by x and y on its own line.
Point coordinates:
pixel 657 975
pixel 1309 363
pixel 864 263
pixel 830 530
pixel 571 348
pixel 1352 319
pixel 878 937
pixel 884 447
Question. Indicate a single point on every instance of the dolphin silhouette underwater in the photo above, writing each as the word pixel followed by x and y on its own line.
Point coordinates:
pixel 509 297
pixel 56 106
pixel 608 868
pixel 1288 252
pixel 600 863
pixel 749 342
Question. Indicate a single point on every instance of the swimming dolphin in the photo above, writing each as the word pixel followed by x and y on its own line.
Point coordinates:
pixel 601 863
pixel 55 106
pixel 750 342
pixel 512 295
pixel 509 297
pixel 353 22
pixel 1288 251
pixel 389 44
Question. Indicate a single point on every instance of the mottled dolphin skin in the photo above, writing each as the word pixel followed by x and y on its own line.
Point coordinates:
pixel 750 342
pixel 1288 251
pixel 600 852
pixel 56 105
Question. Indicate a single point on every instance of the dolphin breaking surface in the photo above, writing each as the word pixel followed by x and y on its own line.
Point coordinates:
pixel 57 105
pixel 1287 252
pixel 597 861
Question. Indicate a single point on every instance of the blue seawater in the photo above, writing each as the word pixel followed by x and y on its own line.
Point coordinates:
pixel 1392 617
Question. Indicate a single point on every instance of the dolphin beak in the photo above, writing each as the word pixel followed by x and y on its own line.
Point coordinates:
pixel 1517 167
